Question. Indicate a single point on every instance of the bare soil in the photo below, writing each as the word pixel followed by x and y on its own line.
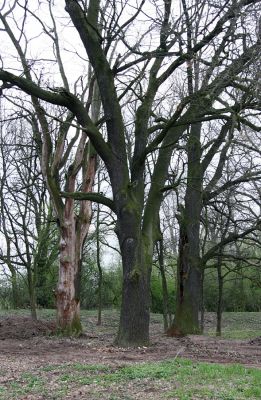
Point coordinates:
pixel 27 348
pixel 25 343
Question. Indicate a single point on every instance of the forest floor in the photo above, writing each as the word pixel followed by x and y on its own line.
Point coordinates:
pixel 34 364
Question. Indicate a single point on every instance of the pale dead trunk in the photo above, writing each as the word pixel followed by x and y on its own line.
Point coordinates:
pixel 74 230
pixel 68 306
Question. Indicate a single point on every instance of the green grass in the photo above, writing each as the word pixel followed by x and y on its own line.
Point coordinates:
pixel 173 379
pixel 238 325
pixel 235 325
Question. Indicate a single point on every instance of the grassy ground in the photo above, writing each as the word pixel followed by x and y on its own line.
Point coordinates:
pixel 238 325
pixel 174 379
pixel 235 325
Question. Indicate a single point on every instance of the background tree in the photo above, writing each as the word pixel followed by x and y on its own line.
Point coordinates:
pixel 28 234
pixel 67 160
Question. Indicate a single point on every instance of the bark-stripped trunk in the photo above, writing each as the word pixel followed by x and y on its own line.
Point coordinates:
pixel 68 305
pixel 73 230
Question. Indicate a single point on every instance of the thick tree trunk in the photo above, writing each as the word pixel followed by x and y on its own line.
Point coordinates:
pixel 136 253
pixel 135 307
pixel 74 229
pixel 189 268
pixel 67 296
pixel 188 292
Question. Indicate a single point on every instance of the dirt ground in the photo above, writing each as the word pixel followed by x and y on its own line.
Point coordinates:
pixel 25 344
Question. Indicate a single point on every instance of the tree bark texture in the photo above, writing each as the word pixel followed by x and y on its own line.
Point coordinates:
pixel 68 305
pixel 73 230
pixel 188 266
pixel 135 308
pixel 136 249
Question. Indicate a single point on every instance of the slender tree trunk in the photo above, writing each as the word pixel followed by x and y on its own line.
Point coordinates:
pixel 136 250
pixel 32 294
pixel 41 278
pixel 202 305
pixel 14 288
pixel 220 296
pixel 14 292
pixel 165 296
pixel 98 259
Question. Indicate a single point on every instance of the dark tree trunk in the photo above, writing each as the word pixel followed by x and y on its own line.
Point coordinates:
pixel 189 268
pixel 188 293
pixel 41 282
pixel 165 296
pixel 202 303
pixel 98 259
pixel 136 250
pixel 220 296
pixel 135 307
pixel 32 294
pixel 15 297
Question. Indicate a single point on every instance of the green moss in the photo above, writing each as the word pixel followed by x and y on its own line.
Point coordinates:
pixel 135 274
pixel 74 329
pixel 184 321
pixel 76 326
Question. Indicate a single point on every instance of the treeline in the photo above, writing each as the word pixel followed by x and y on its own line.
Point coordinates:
pixel 240 293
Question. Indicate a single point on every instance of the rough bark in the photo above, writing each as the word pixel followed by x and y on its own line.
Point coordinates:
pixel 73 231
pixel 136 249
pixel 188 267
pixel 188 290
pixel 68 305
pixel 135 307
